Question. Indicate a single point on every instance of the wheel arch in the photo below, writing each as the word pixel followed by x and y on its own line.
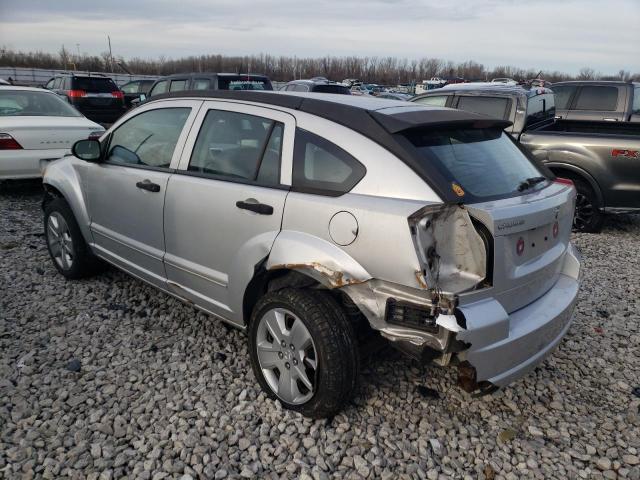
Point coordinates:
pixel 572 171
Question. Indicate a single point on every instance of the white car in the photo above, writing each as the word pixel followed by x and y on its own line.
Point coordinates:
pixel 37 126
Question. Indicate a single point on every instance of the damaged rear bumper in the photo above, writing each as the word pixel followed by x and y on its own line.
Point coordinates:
pixel 492 346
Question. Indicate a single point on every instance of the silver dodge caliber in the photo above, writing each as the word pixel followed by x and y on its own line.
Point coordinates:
pixel 313 222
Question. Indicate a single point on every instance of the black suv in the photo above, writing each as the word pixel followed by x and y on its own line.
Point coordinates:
pixel 96 96
pixel 317 85
pixel 132 90
pixel 210 81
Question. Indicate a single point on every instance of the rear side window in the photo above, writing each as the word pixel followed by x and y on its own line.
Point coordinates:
pixel 243 82
pixel 322 167
pixel 636 100
pixel 339 89
pixel 563 96
pixel 434 101
pixel 160 87
pixel 148 139
pixel 94 84
pixel 201 84
pixel 131 87
pixel 495 107
pixel 238 146
pixel 597 98
pixel 484 163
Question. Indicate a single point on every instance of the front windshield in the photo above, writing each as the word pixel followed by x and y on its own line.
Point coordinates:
pixel 484 163
pixel 27 103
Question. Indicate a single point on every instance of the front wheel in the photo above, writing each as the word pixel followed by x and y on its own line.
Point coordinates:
pixel 303 351
pixel 70 253
pixel 588 216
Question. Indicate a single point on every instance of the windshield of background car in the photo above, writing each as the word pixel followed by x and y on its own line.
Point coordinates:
pixel 38 104
pixel 340 89
pixel 94 84
pixel 484 163
pixel 243 82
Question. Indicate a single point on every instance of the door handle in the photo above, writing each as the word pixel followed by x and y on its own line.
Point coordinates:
pixel 149 186
pixel 260 208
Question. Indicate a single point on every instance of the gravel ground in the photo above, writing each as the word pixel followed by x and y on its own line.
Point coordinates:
pixel 162 391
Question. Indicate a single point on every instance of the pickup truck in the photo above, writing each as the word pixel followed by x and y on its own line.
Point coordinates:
pixel 598 100
pixel 602 158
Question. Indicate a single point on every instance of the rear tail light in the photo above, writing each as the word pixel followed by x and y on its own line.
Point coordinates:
pixel 7 142
pixel 564 181
pixel 117 94
pixel 76 93
pixel 95 135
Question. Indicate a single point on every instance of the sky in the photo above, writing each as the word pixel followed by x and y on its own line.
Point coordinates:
pixel 563 35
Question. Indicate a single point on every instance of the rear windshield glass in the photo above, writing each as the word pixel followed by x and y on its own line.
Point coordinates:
pixel 495 107
pixel 484 163
pixel 244 82
pixel 340 89
pixel 94 84
pixel 23 103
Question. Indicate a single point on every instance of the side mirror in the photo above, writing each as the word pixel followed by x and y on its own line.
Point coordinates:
pixel 88 150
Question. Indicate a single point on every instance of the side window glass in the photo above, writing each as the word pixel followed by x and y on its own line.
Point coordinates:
pixel 178 85
pixel 434 101
pixel 597 98
pixel 161 87
pixel 201 84
pixel 148 139
pixel 57 83
pixel 495 107
pixel 130 88
pixel 238 146
pixel 322 167
pixel 50 83
pixel 301 88
pixel 636 100
pixel 540 108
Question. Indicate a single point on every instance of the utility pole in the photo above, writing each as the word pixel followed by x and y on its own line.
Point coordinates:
pixel 110 54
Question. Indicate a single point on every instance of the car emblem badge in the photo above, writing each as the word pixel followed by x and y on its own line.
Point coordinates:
pixel 457 189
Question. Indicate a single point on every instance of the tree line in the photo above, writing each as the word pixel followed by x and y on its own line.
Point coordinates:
pixel 371 69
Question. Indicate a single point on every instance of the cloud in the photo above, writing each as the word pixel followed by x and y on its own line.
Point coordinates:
pixel 545 34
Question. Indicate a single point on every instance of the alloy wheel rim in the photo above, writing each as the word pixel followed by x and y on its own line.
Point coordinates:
pixel 287 356
pixel 584 212
pixel 60 242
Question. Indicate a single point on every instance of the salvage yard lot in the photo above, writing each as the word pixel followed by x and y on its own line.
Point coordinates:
pixel 163 390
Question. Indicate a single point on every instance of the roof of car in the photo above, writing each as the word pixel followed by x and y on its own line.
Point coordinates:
pixel 377 119
pixel 316 81
pixel 596 82
pixel 210 74
pixel 487 87
pixel 28 89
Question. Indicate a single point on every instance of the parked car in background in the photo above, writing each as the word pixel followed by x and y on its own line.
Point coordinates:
pixel 404 97
pixel 313 221
pixel 598 100
pixel 209 81
pixel 316 85
pixel 601 158
pixel 37 126
pixel 96 96
pixel 4 82
pixel 134 89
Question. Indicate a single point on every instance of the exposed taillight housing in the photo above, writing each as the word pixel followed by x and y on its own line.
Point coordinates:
pixel 7 142
pixel 564 181
pixel 520 246
pixel 117 94
pixel 76 93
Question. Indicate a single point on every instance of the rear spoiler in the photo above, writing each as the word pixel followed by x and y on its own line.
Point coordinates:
pixel 399 122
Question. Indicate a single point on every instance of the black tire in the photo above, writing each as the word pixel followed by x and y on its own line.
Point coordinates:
pixel 83 262
pixel 335 345
pixel 588 216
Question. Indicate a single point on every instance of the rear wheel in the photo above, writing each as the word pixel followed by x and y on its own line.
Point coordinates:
pixel 588 216
pixel 304 351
